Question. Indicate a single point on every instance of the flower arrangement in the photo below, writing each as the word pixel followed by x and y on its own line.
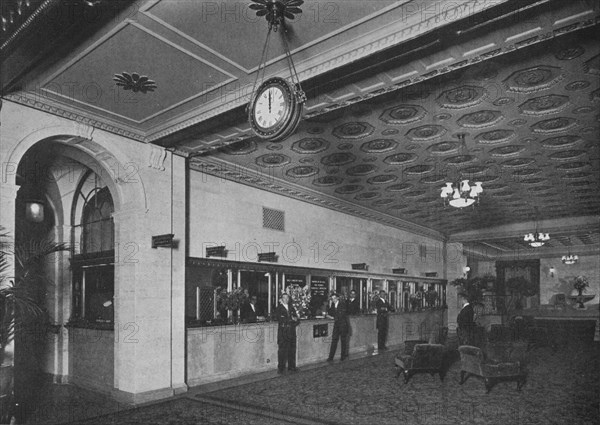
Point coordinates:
pixel 580 283
pixel 231 300
pixel 300 299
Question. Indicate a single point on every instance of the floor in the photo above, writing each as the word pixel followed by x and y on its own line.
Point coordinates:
pixel 563 386
pixel 54 404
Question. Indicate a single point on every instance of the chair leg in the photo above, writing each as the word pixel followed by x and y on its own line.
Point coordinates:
pixel 488 385
pixel 407 376
pixel 442 375
pixel 398 372
pixel 463 375
pixel 520 383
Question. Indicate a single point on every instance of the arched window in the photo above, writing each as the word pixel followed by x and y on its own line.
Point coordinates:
pixel 93 251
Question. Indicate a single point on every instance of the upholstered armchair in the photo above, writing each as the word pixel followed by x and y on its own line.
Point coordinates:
pixel 474 362
pixel 424 358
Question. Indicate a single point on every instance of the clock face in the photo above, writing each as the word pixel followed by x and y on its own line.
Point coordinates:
pixel 275 110
pixel 270 107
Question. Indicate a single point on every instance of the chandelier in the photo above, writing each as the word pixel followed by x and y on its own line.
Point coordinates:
pixel 537 238
pixel 570 258
pixel 461 194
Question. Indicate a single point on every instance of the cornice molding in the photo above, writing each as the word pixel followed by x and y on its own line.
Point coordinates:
pixel 54 108
pixel 530 253
pixel 238 174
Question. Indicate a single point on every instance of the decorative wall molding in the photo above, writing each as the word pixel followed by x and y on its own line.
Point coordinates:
pixel 83 130
pixel 157 158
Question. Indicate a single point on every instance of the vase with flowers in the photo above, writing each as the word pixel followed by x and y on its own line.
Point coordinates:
pixel 300 299
pixel 580 283
pixel 228 303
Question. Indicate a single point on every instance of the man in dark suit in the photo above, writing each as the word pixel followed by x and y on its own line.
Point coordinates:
pixel 248 311
pixel 383 307
pixel 287 319
pixel 341 326
pixel 466 325
pixel 353 304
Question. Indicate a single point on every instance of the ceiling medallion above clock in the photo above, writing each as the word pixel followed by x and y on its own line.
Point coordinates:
pixel 275 108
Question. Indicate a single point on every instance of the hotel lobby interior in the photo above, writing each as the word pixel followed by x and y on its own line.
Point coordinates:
pixel 163 160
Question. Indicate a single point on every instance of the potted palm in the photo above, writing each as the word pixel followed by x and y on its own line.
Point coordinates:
pixel 21 302
pixel 471 289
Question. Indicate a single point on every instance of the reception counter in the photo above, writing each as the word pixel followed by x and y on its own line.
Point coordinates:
pixel 224 352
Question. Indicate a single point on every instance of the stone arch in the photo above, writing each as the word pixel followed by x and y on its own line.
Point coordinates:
pixel 78 143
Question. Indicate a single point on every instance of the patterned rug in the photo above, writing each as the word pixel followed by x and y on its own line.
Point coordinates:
pixel 562 388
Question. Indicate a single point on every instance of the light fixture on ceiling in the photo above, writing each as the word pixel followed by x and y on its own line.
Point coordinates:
pixel 537 238
pixel 461 194
pixel 570 258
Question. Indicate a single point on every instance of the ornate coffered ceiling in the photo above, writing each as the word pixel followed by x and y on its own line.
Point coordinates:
pixel 531 118
pixel 389 84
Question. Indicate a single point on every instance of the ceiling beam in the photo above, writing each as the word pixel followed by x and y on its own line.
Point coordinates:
pixel 555 226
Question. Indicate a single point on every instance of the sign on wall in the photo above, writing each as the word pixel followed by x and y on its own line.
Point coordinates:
pixel 293 279
pixel 163 241
pixel 318 286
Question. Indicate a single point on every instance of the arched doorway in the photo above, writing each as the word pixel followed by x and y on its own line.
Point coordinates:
pixel 78 197
pixel 149 293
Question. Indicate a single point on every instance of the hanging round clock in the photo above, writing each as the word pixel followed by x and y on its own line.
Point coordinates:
pixel 275 109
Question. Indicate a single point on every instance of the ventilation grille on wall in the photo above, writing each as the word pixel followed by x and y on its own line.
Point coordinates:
pixel 273 219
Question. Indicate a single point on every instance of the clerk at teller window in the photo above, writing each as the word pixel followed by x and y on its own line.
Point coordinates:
pixel 248 311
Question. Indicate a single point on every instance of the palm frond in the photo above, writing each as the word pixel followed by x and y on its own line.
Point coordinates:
pixel 21 296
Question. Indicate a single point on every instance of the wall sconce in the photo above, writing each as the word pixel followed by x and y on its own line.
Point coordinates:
pixel 34 204
pixel 34 210
pixel 552 270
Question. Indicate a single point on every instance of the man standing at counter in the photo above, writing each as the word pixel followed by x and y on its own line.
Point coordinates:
pixel 287 319
pixel 383 308
pixel 337 311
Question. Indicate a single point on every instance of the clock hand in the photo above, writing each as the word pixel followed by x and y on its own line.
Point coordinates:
pixel 269 101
